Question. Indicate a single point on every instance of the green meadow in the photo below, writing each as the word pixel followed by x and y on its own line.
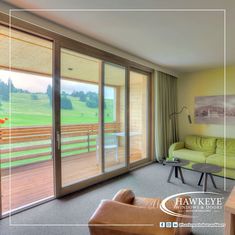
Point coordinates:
pixel 23 111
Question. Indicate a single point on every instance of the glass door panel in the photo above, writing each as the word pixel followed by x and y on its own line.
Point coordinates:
pixel 114 117
pixel 26 113
pixel 80 129
pixel 138 97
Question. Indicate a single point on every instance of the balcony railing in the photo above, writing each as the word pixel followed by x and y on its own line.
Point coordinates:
pixel 27 145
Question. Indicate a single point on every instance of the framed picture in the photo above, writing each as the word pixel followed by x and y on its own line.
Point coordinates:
pixel 211 109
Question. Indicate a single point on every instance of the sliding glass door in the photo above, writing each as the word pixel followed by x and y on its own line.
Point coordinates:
pixel 26 162
pixel 92 117
pixel 70 117
pixel 114 117
pixel 80 117
pixel 103 118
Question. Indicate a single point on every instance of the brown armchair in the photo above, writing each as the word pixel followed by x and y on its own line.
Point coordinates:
pixel 130 215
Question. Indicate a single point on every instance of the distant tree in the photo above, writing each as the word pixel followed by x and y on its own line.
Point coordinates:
pixel 64 93
pixel 65 102
pixel 49 93
pixel 92 99
pixel 11 87
pixel 74 94
pixel 82 96
pixel 4 91
pixel 91 104
pixel 34 96
pixel 18 90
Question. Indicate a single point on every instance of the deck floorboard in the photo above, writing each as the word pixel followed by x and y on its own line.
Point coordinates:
pixel 29 183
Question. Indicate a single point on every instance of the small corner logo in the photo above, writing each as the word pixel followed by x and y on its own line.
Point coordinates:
pixel 188 203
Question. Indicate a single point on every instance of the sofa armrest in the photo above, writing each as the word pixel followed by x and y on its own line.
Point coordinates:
pixel 113 217
pixel 175 146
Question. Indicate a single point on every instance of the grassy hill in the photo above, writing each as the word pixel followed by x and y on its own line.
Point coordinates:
pixel 28 112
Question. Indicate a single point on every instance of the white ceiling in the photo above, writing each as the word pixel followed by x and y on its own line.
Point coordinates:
pixel 181 41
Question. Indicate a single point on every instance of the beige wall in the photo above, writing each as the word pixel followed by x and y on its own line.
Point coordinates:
pixel 204 83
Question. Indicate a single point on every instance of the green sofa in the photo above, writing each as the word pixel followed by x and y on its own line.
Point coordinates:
pixel 201 149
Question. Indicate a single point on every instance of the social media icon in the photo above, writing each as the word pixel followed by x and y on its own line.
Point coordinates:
pixel 175 224
pixel 162 225
pixel 168 224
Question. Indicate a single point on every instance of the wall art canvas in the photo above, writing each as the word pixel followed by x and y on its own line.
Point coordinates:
pixel 211 109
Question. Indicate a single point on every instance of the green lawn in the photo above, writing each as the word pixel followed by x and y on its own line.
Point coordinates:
pixel 28 112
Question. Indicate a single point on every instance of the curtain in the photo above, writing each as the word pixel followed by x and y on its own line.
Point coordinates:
pixel 166 128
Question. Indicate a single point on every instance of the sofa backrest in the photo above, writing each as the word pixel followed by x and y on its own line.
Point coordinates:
pixel 201 143
pixel 230 146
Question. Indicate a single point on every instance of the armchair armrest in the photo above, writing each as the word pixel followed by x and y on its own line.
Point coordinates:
pixel 124 196
pixel 175 146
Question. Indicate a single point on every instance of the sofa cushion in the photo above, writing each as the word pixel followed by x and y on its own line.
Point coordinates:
pixel 191 155
pixel 230 146
pixel 218 159
pixel 200 143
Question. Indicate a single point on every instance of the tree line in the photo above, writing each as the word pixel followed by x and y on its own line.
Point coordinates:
pixel 6 88
pixel 90 98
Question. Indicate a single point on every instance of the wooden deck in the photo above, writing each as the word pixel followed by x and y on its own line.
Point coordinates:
pixel 30 183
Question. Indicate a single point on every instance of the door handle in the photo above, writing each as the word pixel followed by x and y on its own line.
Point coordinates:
pixel 58 140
